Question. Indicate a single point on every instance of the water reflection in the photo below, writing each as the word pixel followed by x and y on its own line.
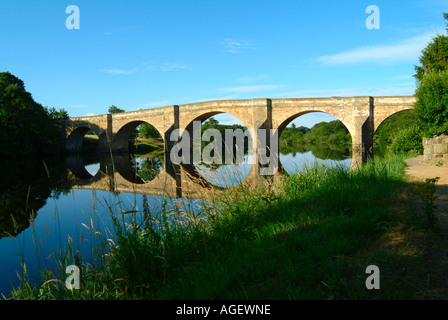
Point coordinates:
pixel 25 187
pixel 56 197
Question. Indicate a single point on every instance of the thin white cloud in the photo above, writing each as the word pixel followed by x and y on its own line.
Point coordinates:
pixel 257 77
pixel 145 67
pixel 235 46
pixel 175 66
pixel 246 89
pixel 407 50
pixel 90 114
pixel 120 71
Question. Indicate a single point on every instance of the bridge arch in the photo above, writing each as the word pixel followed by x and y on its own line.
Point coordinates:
pixel 76 138
pixel 294 153
pixel 291 118
pixel 208 177
pixel 121 138
pixel 380 120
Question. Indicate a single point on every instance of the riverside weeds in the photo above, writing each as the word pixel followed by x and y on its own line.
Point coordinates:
pixel 310 235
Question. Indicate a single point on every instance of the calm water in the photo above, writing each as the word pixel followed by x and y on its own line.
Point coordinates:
pixel 67 199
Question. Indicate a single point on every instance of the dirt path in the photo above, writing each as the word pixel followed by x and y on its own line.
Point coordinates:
pixel 420 171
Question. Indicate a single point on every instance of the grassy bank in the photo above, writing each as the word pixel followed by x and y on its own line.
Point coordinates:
pixel 307 236
pixel 146 146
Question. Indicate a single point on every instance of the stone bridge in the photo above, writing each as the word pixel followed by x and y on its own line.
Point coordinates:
pixel 361 115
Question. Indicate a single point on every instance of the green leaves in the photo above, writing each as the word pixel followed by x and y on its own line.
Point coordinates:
pixel 432 86
pixel 408 139
pixel 432 103
pixel 26 128
pixel 114 109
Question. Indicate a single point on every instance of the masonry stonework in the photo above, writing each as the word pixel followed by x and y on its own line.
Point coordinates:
pixel 436 150
pixel 361 115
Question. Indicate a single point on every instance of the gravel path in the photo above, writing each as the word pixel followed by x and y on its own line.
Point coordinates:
pixel 420 171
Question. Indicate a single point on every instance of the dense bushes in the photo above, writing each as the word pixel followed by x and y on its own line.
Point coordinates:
pixel 432 103
pixel 323 133
pixel 432 86
pixel 399 133
pixel 407 140
pixel 26 128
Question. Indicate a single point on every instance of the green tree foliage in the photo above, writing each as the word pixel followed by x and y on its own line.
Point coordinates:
pixel 432 86
pixel 333 132
pixel 324 133
pixel 145 130
pixel 57 114
pixel 114 109
pixel 390 127
pixel 432 103
pixel 212 123
pixel 408 140
pixel 326 140
pixel 434 57
pixel 26 128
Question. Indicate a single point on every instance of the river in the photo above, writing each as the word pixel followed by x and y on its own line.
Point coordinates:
pixel 45 205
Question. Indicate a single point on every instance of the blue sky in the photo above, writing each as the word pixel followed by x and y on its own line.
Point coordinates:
pixel 145 54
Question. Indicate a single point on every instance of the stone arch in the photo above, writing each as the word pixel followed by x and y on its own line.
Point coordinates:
pixel 380 120
pixel 193 172
pixel 121 138
pixel 291 118
pixel 294 115
pixel 76 166
pixel 206 115
pixel 75 139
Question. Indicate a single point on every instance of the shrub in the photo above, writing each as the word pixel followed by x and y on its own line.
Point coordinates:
pixel 408 139
pixel 432 103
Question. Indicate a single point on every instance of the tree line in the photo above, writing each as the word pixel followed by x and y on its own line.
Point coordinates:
pixel 27 129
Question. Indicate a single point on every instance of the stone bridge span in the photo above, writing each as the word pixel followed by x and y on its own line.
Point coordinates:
pixel 361 115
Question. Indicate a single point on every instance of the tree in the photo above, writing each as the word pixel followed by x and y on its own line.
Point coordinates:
pixel 407 140
pixel 434 57
pixel 57 114
pixel 431 107
pixel 26 129
pixel 146 130
pixel 114 109
pixel 389 129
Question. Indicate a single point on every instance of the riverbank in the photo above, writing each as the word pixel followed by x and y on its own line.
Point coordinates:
pixel 308 236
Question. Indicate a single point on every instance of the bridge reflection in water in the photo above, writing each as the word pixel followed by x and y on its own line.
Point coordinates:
pixel 119 173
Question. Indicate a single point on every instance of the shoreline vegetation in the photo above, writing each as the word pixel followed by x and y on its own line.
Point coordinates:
pixel 310 235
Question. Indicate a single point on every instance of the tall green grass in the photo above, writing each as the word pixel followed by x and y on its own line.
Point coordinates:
pixel 305 236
